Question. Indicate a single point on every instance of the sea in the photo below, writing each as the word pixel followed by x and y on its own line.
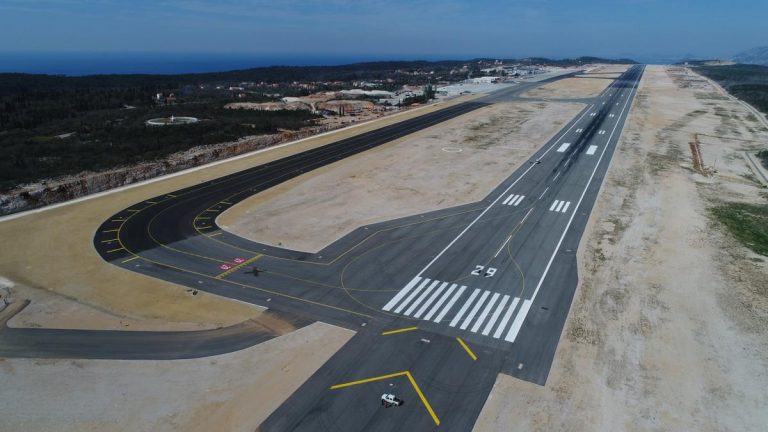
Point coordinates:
pixel 81 64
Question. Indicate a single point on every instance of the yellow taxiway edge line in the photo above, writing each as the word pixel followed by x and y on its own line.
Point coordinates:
pixel 466 348
pixel 367 380
pixel 215 234
pixel 394 375
pixel 131 259
pixel 407 329
pixel 113 230
pixel 423 398
pixel 115 250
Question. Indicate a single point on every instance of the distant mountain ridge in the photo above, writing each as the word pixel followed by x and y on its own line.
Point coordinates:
pixel 757 56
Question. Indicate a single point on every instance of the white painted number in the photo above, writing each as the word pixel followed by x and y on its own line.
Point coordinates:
pixel 479 269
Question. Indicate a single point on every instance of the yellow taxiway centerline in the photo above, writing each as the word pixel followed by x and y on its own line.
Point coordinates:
pixel 407 329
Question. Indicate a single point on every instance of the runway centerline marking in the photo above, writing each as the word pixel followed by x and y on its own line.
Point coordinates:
pixel 471 224
pixel 511 336
pixel 408 375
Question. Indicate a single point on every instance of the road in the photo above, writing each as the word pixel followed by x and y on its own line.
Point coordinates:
pixel 441 302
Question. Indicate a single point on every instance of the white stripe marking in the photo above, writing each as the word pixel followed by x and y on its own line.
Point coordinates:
pixel 440 302
pixel 518 200
pixel 412 295
pixel 563 147
pixel 464 308
pixel 430 300
pixel 421 297
pixel 474 310
pixel 552 207
pixel 474 221
pixel 495 315
pixel 402 293
pixel 509 198
pixel 518 322
pixel 485 312
pixel 506 318
pixel 450 304
pixel 559 206
pixel 592 149
pixel 578 203
pixel 565 209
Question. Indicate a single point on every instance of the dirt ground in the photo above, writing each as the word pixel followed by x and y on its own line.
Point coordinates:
pixel 51 250
pixel 571 88
pixel 669 326
pixel 454 163
pixel 230 392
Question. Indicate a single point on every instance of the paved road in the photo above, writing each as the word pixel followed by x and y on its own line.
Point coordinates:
pixel 133 345
pixel 487 286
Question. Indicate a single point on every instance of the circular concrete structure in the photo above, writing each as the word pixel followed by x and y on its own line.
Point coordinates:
pixel 171 121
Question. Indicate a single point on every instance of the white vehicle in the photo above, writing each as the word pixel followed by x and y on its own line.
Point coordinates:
pixel 389 400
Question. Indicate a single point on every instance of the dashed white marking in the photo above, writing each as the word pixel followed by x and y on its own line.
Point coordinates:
pixel 602 132
pixel 563 147
pixel 565 208
pixel 611 115
pixel 554 204
pixel 474 310
pixel 421 297
pixel 509 198
pixel 593 114
pixel 485 313
pixel 495 315
pixel 542 194
pixel 559 206
pixel 592 149
pixel 412 295
pixel 430 300
pixel 450 304
pixel 579 130
pixel 401 294
pixel 440 302
pixel 518 323
pixel 507 317
pixel 518 200
pixel 464 308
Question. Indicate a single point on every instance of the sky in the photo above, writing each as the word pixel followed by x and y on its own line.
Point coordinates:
pixel 395 29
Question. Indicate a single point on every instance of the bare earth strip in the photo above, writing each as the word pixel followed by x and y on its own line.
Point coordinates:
pixel 669 326
pixel 230 392
pixel 454 163
pixel 570 88
pixel 52 250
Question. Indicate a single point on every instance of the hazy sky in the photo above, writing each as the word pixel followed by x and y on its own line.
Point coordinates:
pixel 408 28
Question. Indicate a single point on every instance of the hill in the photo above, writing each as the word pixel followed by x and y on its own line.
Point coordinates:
pixel 757 56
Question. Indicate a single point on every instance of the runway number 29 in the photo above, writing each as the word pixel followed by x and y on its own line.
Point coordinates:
pixel 490 271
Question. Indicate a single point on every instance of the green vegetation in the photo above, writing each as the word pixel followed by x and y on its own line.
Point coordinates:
pixel 106 138
pixel 747 82
pixel 748 223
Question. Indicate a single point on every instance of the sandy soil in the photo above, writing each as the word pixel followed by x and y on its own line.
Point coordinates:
pixel 434 168
pixel 669 326
pixel 570 88
pixel 230 392
pixel 52 249
pixel 50 310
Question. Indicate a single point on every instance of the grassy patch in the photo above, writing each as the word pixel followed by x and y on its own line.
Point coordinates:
pixel 748 223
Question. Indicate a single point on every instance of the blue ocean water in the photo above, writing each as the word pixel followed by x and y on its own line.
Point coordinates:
pixel 78 64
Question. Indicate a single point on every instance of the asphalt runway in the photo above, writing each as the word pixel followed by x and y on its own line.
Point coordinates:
pixel 442 302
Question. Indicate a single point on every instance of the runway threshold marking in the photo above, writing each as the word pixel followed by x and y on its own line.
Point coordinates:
pixel 402 330
pixel 238 267
pixel 466 348
pixel 407 374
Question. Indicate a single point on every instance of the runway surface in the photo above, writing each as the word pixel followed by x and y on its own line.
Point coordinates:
pixel 442 302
